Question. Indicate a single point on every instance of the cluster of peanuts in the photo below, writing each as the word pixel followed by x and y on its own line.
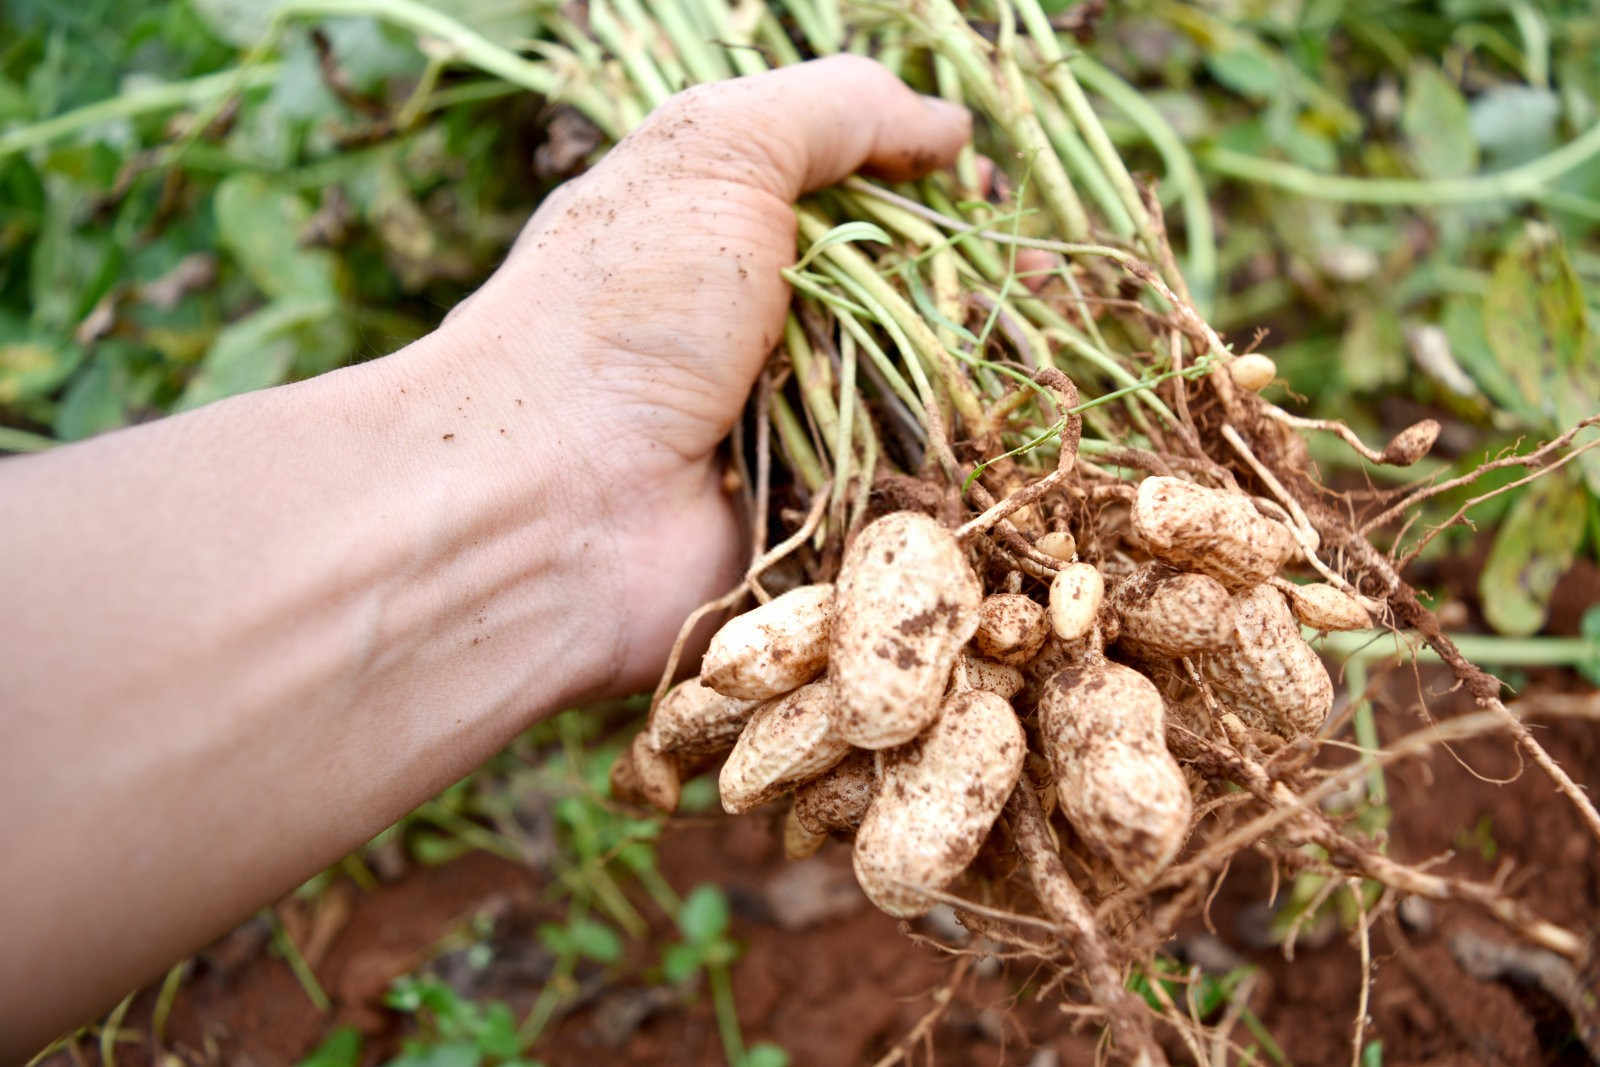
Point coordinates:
pixel 899 704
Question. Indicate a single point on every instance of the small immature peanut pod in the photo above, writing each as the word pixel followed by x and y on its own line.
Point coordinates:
pixel 1410 444
pixel 787 741
pixel 1103 727
pixel 1268 674
pixel 973 672
pixel 694 720
pixel 1059 544
pixel 839 798
pixel 905 603
pixel 798 842
pixel 1194 528
pixel 641 775
pixel 1325 607
pixel 771 649
pixel 1011 627
pixel 937 801
pixel 1076 593
pixel 1253 371
pixel 1166 613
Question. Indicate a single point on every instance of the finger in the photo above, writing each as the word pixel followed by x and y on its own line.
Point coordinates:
pixel 806 126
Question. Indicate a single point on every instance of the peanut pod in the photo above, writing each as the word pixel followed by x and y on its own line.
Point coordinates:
pixel 905 603
pixel 1194 528
pixel 772 649
pixel 641 775
pixel 1268 674
pixel 838 799
pixel 695 720
pixel 1325 607
pixel 787 741
pixel 1011 627
pixel 937 801
pixel 1103 729
pixel 1166 613
pixel 974 672
pixel 1076 593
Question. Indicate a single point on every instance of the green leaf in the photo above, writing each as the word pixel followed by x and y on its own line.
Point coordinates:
pixel 843 233
pixel 259 350
pixel 1534 548
pixel 704 914
pixel 94 401
pixel 33 364
pixel 1249 71
pixel 1462 322
pixel 497 1033
pixel 454 1054
pixel 596 940
pixel 1537 326
pixel 1438 125
pixel 341 1049
pixel 1589 628
pixel 1372 352
pixel 1515 123
pixel 680 962
pixel 239 22
pixel 765 1054
pixel 1372 1054
pixel 260 224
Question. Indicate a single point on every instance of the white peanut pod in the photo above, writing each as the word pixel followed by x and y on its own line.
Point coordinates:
pixel 1268 674
pixel 1102 727
pixel 937 801
pixel 1165 613
pixel 787 741
pixel 1076 594
pixel 1011 627
pixel 696 720
pixel 1194 528
pixel 771 649
pixel 1322 606
pixel 975 672
pixel 905 603
pixel 1252 371
pixel 641 775
pixel 838 799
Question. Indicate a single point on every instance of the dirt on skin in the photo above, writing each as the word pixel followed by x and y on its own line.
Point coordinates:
pixel 835 982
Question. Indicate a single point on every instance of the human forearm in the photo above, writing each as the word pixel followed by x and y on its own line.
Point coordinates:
pixel 242 641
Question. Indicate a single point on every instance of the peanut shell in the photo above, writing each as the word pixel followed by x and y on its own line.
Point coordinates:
pixel 798 842
pixel 1103 728
pixel 788 740
pixel 1167 613
pixel 1326 607
pixel 937 801
pixel 1059 544
pixel 905 603
pixel 694 719
pixel 1268 674
pixel 1194 528
pixel 839 798
pixel 1076 594
pixel 1252 371
pixel 641 775
pixel 1011 627
pixel 974 672
pixel 771 649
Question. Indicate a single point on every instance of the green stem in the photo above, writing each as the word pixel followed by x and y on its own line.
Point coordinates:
pixel 727 1013
pixel 297 963
pixel 1525 182
pixel 1484 649
pixel 1199 235
pixel 138 102
pixel 165 999
pixel 13 440
pixel 1366 728
pixel 796 444
pixel 109 1030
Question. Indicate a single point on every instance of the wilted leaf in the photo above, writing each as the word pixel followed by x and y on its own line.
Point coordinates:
pixel 1438 125
pixel 255 352
pixel 260 224
pixel 1534 548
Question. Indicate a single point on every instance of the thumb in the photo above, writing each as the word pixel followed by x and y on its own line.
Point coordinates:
pixel 799 128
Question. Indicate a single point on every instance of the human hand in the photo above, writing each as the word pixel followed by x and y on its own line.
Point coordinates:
pixel 640 302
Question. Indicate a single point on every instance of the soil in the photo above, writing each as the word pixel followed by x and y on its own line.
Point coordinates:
pixel 834 982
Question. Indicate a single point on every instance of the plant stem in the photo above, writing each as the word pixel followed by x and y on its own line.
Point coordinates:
pixel 138 102
pixel 297 963
pixel 1524 182
pixel 1484 649
pixel 727 1013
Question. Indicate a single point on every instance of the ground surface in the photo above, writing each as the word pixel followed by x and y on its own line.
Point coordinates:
pixel 834 982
